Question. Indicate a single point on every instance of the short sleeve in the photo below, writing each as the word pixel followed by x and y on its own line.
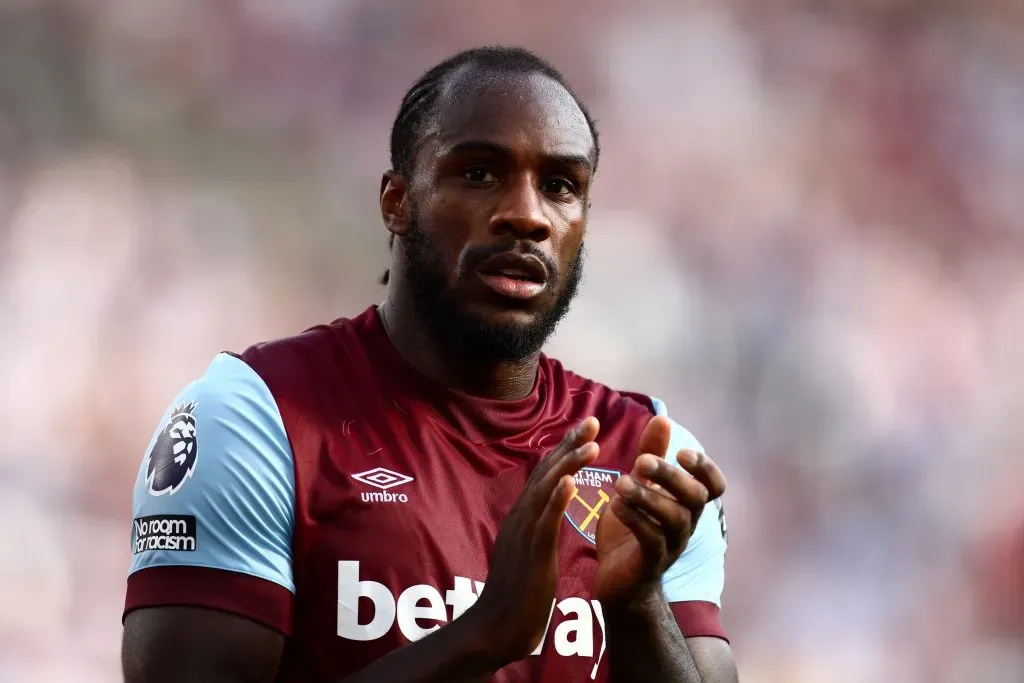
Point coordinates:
pixel 214 502
pixel 694 584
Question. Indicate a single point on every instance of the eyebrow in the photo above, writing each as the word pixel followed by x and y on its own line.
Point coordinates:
pixel 494 147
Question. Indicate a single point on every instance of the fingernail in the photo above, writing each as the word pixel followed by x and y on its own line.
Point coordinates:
pixel 646 467
pixel 687 458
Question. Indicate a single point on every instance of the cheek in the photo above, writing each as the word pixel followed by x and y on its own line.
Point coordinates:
pixel 451 224
pixel 570 247
pixel 441 253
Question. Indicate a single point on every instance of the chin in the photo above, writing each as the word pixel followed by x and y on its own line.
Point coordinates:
pixel 493 328
pixel 504 316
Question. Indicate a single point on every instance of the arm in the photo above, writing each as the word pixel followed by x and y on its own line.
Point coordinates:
pixel 217 486
pixel 510 617
pixel 645 644
pixel 209 594
pixel 456 653
pixel 674 634
pixel 178 644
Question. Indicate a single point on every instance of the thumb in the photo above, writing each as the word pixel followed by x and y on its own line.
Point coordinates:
pixel 656 437
pixel 545 536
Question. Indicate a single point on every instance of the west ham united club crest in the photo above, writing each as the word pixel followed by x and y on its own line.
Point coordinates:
pixel 595 488
pixel 173 458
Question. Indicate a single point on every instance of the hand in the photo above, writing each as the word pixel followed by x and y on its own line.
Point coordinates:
pixel 653 514
pixel 514 607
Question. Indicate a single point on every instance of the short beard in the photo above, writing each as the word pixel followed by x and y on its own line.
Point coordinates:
pixel 458 330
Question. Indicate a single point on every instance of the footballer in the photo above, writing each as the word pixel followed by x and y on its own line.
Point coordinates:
pixel 418 494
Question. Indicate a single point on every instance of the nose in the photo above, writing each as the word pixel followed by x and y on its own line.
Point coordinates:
pixel 521 212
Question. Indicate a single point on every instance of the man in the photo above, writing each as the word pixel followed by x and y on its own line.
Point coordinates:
pixel 383 499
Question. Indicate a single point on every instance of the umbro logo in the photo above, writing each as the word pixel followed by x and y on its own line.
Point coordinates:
pixel 383 479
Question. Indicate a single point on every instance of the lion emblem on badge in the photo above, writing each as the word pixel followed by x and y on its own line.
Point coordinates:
pixel 173 458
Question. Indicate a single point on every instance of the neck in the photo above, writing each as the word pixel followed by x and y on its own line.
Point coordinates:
pixel 505 380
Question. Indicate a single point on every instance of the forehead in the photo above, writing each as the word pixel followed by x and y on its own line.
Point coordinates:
pixel 527 113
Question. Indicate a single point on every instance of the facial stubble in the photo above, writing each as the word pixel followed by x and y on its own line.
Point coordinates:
pixel 458 329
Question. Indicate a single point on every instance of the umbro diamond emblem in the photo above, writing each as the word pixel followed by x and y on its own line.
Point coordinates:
pixel 383 479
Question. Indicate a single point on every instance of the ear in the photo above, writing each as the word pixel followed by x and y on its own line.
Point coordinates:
pixel 394 205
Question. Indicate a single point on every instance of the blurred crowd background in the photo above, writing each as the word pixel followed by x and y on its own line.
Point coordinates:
pixel 807 238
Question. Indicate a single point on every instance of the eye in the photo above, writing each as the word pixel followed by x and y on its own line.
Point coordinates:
pixel 558 185
pixel 479 174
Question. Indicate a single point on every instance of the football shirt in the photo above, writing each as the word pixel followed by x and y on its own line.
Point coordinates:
pixel 321 486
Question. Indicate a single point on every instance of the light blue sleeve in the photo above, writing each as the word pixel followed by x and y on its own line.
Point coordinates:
pixel 217 486
pixel 699 573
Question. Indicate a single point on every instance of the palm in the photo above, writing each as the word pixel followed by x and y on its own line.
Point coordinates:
pixel 622 567
pixel 620 561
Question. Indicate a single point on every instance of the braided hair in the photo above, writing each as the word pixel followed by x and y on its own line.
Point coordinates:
pixel 419 102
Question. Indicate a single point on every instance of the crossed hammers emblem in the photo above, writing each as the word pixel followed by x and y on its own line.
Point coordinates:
pixel 594 512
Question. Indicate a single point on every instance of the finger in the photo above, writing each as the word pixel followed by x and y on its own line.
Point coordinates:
pixel 538 490
pixel 704 470
pixel 545 536
pixel 656 436
pixel 569 464
pixel 647 533
pixel 583 433
pixel 673 516
pixel 671 481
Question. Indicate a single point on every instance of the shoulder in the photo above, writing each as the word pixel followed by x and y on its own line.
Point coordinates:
pixel 313 349
pixel 681 436
pixel 694 583
pixel 228 404
pixel 584 396
pixel 213 502
pixel 615 406
pixel 302 371
pixel 222 434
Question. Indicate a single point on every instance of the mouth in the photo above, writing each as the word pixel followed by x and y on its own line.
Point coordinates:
pixel 515 276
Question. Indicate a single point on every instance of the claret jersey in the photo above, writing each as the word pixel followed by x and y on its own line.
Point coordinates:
pixel 321 486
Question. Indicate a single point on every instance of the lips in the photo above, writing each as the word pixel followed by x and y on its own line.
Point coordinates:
pixel 515 276
pixel 516 266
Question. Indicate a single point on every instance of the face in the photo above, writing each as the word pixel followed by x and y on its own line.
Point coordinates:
pixel 492 244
